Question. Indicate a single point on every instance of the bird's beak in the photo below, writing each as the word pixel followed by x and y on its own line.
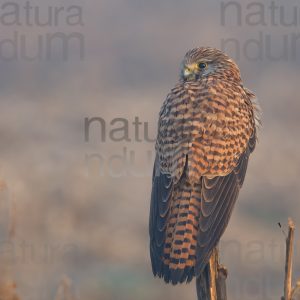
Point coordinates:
pixel 190 70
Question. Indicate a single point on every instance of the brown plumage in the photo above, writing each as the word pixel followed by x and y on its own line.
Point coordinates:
pixel 207 130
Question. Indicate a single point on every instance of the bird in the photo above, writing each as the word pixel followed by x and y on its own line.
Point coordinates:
pixel 207 129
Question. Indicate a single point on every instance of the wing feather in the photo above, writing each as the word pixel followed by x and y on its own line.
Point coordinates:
pixel 218 197
pixel 160 204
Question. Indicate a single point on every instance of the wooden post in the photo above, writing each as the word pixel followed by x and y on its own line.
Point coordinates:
pixel 289 262
pixel 211 285
pixel 221 283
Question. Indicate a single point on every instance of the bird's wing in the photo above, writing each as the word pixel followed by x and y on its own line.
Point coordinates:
pixel 218 196
pixel 167 210
pixel 162 187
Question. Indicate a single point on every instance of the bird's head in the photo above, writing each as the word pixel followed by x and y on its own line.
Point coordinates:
pixel 205 61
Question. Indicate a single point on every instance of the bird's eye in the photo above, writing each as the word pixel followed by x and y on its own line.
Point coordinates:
pixel 202 65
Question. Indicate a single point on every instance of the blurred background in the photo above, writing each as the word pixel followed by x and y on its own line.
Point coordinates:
pixel 75 191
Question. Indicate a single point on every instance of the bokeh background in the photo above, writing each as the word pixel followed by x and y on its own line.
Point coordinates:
pixel 74 210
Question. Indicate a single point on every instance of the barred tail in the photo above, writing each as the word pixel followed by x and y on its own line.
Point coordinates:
pixel 179 254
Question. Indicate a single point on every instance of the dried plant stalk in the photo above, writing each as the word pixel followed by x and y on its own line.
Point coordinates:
pixel 289 261
pixel 212 284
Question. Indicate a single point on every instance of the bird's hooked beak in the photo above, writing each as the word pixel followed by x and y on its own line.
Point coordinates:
pixel 190 70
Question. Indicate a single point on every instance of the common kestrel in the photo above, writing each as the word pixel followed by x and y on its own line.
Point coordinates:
pixel 206 132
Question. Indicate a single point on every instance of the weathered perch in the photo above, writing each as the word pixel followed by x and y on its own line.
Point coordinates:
pixel 290 293
pixel 289 262
pixel 215 287
pixel 212 285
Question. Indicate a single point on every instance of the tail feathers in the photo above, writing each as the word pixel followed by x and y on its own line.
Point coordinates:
pixel 203 284
pixel 175 276
pixel 179 253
